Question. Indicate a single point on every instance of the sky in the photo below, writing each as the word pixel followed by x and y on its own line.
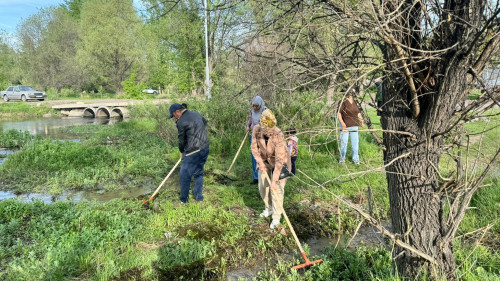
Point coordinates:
pixel 13 12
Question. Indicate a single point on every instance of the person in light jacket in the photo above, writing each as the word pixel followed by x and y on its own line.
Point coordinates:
pixel 258 107
pixel 270 151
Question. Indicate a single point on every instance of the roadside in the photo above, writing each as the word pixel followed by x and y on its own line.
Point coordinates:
pixel 51 103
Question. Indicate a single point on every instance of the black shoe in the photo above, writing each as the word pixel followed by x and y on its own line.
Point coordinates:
pixel 255 182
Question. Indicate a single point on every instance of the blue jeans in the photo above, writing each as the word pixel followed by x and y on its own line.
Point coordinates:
pixel 255 171
pixel 294 158
pixel 344 138
pixel 192 166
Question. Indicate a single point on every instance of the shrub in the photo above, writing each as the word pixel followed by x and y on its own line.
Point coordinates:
pixel 16 139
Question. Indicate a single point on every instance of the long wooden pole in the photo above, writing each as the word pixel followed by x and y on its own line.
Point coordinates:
pixel 170 173
pixel 237 153
pixel 308 262
pixel 284 214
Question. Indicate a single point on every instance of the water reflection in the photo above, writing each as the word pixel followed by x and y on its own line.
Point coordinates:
pixel 100 196
pixel 4 153
pixel 75 196
pixel 52 127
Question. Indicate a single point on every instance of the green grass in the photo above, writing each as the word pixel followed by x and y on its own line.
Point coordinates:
pixel 16 139
pixel 121 158
pixel 23 109
pixel 119 240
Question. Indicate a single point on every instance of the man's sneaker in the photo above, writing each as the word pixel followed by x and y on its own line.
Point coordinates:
pixel 274 223
pixel 356 163
pixel 255 181
pixel 341 161
pixel 266 213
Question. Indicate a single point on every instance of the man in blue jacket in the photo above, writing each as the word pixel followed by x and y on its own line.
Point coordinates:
pixel 194 148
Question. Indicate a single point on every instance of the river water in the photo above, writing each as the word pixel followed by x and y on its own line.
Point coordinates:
pixel 54 128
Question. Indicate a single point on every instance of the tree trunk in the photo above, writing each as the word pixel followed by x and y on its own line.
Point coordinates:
pixel 417 206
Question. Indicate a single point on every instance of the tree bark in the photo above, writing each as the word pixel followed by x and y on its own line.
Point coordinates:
pixel 417 206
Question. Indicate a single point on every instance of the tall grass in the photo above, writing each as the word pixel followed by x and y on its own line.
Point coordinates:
pixel 16 139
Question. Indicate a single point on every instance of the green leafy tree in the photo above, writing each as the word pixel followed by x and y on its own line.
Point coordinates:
pixel 132 88
pixel 48 48
pixel 178 57
pixel 74 7
pixel 111 41
pixel 7 62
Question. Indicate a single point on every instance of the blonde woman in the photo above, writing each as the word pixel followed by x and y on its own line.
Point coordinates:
pixel 270 151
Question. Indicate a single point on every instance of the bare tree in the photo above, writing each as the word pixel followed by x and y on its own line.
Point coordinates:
pixel 430 54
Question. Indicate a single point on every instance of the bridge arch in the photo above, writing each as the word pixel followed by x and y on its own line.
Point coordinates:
pixel 89 112
pixel 103 112
pixel 120 112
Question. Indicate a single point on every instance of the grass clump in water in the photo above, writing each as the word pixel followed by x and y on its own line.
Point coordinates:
pixel 184 260
pixel 16 139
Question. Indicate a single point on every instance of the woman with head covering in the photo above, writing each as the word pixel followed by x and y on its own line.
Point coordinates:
pixel 271 153
pixel 258 107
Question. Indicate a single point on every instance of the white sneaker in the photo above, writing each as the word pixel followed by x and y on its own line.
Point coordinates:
pixel 266 213
pixel 274 223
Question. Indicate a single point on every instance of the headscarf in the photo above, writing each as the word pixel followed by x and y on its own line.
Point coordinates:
pixel 267 119
pixel 256 114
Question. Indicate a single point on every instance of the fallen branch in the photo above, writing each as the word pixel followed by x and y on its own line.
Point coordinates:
pixel 375 223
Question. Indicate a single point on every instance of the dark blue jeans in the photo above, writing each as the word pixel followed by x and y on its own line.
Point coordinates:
pixel 294 158
pixel 255 171
pixel 192 167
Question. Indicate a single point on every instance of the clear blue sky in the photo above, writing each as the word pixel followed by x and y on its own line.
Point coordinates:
pixel 12 12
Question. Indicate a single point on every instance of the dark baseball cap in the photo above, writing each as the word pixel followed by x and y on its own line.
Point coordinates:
pixel 173 108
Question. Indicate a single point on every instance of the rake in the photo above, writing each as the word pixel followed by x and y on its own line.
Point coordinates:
pixel 307 263
pixel 145 203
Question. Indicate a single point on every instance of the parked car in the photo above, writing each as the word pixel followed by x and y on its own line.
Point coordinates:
pixel 23 93
pixel 150 91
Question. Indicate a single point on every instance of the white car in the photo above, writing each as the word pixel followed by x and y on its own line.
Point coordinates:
pixel 23 93
pixel 150 91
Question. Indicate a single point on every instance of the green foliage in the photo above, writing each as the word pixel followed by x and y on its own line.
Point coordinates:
pixel 478 263
pixel 48 156
pixel 48 50
pixel 7 62
pixel 133 89
pixel 16 139
pixel 111 41
pixel 23 108
pixel 112 159
pixel 341 264
pixel 177 56
pixel 65 93
pixel 74 7
pixel 184 252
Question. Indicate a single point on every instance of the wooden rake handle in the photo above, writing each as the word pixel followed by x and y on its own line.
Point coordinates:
pixel 286 217
pixel 237 153
pixel 171 171
pixel 165 180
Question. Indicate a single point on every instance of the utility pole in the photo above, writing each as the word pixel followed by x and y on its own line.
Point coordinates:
pixel 207 70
